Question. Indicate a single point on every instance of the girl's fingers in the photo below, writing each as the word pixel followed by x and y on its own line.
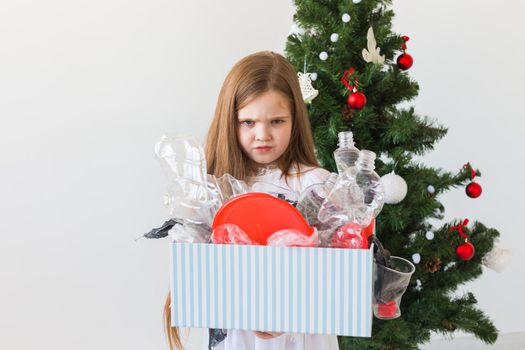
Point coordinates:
pixel 266 335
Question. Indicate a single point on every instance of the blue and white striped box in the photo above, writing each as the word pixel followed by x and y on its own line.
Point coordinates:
pixel 274 289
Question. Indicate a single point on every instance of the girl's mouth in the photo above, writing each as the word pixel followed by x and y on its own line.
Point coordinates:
pixel 262 149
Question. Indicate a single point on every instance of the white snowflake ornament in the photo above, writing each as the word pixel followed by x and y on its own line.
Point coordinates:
pixel 308 91
pixel 372 54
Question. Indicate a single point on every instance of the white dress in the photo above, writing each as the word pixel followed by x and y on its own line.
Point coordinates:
pixel 269 181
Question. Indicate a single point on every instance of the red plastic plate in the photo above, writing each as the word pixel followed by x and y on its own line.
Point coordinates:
pixel 260 215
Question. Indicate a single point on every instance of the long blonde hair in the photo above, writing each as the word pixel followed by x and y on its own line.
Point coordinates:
pixel 249 78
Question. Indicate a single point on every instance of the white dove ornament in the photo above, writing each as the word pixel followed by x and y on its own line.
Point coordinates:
pixel 372 54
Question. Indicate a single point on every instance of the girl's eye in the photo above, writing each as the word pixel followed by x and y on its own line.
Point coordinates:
pixel 278 121
pixel 247 122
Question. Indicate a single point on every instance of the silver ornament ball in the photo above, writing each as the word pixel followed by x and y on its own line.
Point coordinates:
pixel 431 189
pixel 323 56
pixel 416 258
pixel 313 76
pixel 429 235
pixel 334 37
pixel 346 17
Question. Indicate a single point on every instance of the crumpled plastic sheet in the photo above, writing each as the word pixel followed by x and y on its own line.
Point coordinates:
pixel 232 234
pixel 292 238
pixel 190 233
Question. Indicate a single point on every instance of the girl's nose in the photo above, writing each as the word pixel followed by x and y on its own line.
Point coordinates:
pixel 263 133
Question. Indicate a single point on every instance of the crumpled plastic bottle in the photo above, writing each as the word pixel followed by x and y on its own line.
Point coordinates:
pixel 357 195
pixel 193 196
pixel 343 200
pixel 309 204
pixel 369 182
pixel 184 164
pixel 313 196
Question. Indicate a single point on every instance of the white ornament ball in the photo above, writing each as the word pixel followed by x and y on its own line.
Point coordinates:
pixel 416 258
pixel 313 76
pixel 356 1
pixel 431 189
pixel 346 18
pixel 497 259
pixel 334 37
pixel 429 235
pixel 323 56
pixel 395 188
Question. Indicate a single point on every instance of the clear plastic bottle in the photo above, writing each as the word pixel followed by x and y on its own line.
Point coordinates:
pixel 369 181
pixel 346 154
pixel 183 161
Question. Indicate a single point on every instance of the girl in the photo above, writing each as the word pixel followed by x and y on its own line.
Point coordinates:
pixel 261 133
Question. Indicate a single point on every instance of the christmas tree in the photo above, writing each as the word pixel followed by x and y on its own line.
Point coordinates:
pixel 350 50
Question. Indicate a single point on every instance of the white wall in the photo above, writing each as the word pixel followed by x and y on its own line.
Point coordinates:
pixel 88 87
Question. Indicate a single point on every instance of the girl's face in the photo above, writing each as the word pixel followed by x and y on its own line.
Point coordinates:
pixel 265 127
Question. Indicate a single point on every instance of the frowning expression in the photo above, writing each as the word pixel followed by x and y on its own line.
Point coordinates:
pixel 265 127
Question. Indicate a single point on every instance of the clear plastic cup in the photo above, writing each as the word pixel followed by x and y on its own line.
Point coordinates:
pixel 390 283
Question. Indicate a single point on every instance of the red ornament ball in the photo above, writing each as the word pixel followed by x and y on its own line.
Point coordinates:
pixel 465 251
pixel 405 61
pixel 356 100
pixel 473 190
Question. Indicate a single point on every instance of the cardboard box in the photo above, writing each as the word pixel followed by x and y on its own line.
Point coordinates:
pixel 276 289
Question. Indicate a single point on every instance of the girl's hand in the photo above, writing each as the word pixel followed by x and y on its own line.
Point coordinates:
pixel 267 335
